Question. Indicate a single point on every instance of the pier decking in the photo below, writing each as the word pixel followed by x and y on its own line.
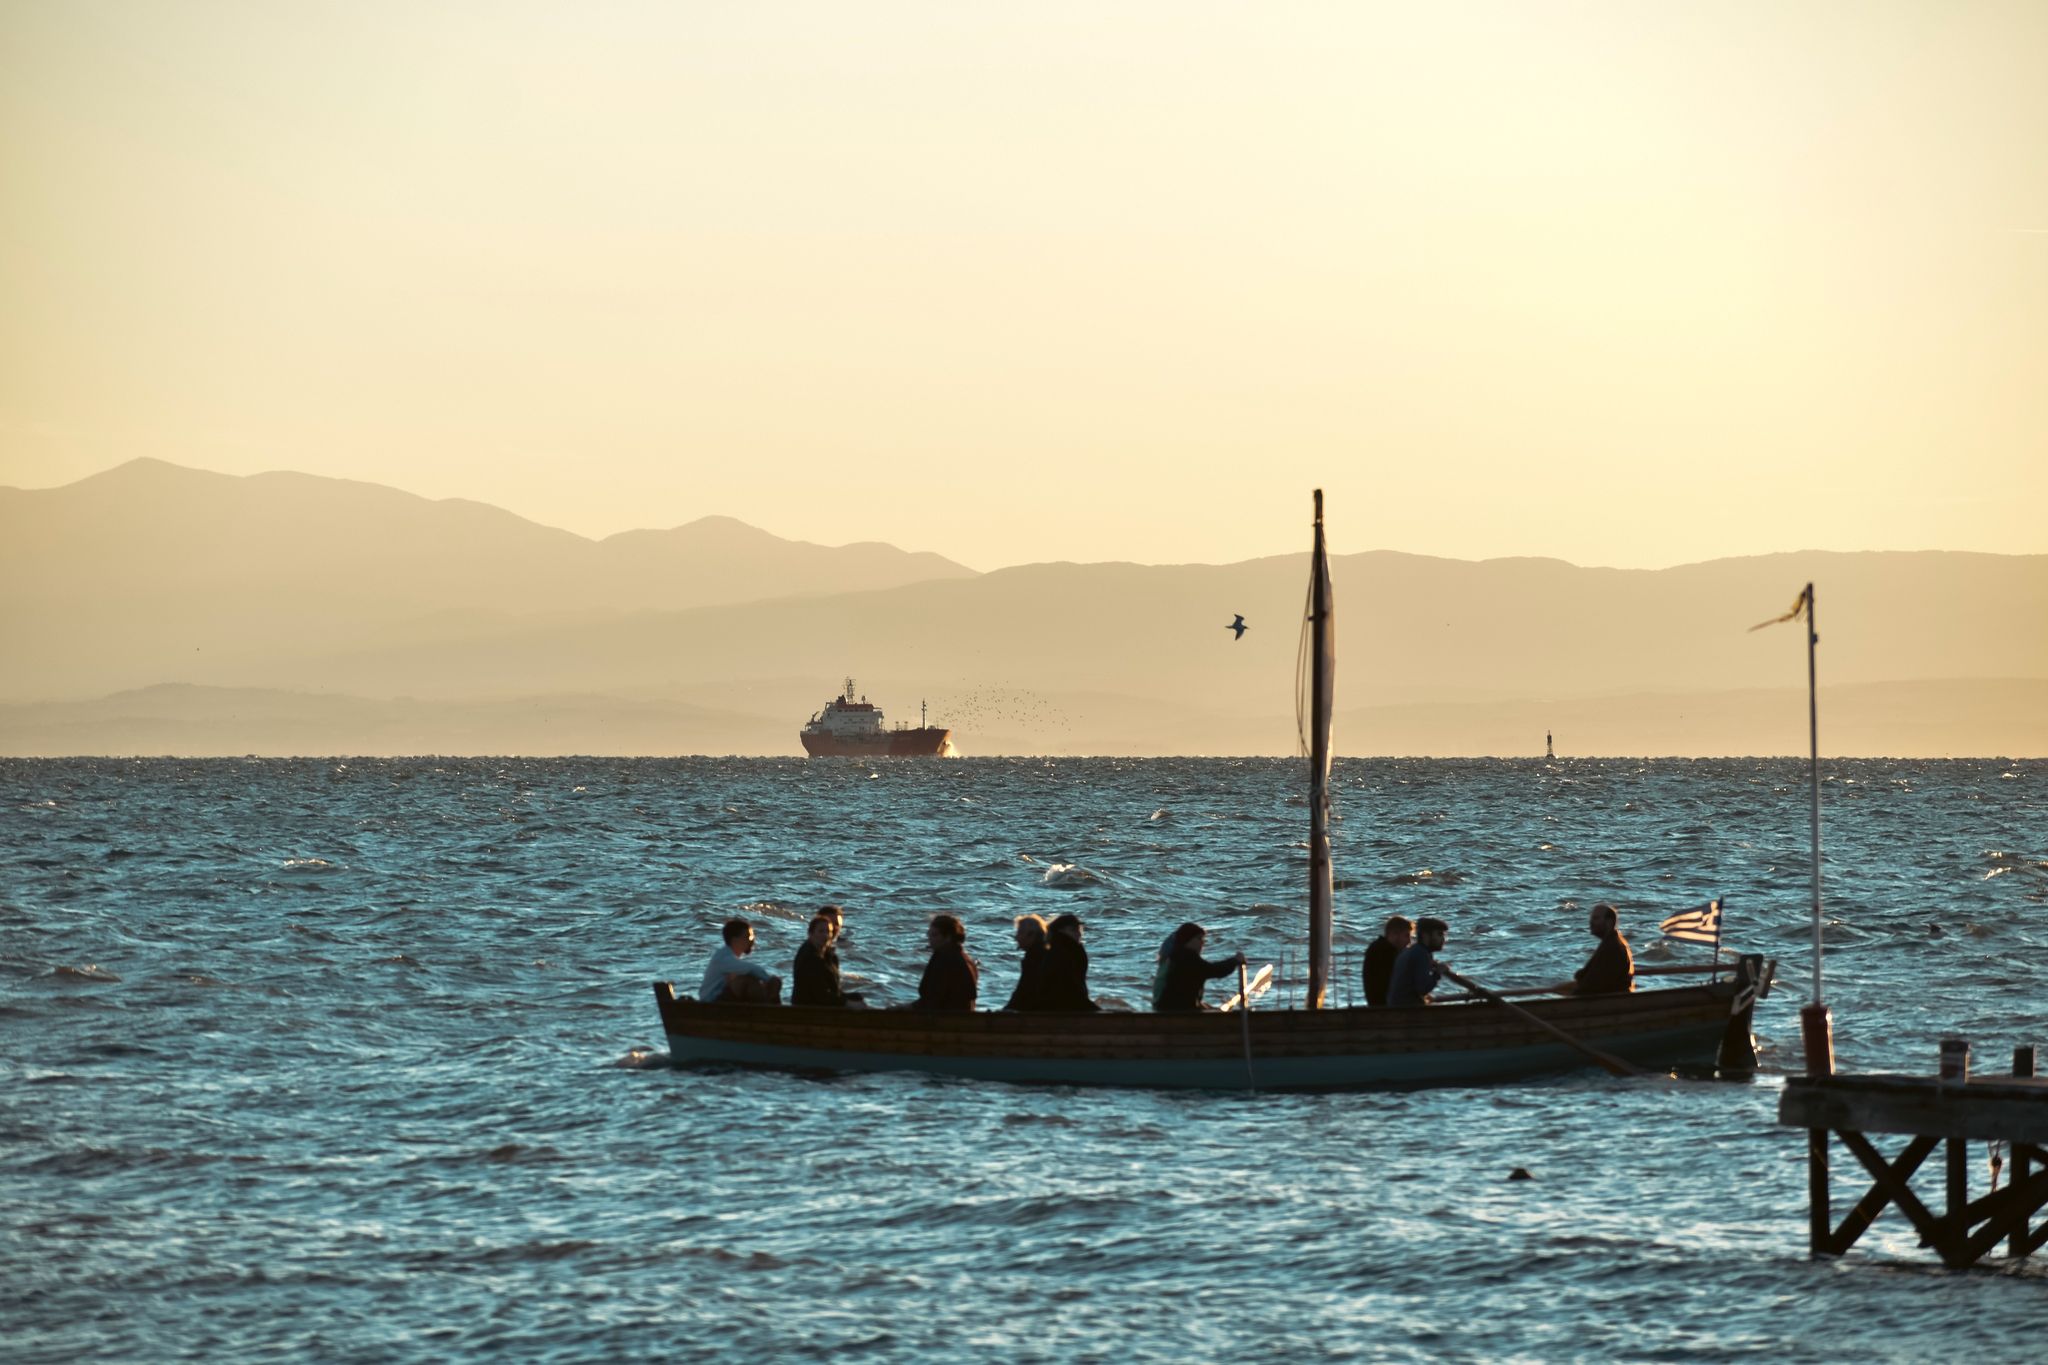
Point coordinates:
pixel 2003 1112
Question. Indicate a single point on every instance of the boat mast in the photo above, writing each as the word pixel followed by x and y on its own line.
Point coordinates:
pixel 1322 686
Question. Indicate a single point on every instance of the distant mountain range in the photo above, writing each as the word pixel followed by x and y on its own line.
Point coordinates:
pixel 305 615
pixel 148 571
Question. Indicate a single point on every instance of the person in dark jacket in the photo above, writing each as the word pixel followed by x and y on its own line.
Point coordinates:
pixel 952 978
pixel 1416 970
pixel 837 914
pixel 1611 970
pixel 1187 971
pixel 817 967
pixel 1030 992
pixel 1379 959
pixel 1066 969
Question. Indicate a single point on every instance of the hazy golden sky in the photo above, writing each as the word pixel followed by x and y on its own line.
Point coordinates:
pixel 1626 283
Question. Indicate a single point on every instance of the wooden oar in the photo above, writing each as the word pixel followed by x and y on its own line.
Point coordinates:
pixel 1261 980
pixel 1613 1064
pixel 1244 1016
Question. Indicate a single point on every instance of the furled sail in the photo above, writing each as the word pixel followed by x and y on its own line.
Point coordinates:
pixel 1322 689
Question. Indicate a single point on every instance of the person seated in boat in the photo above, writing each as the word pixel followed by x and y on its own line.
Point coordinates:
pixel 1159 969
pixel 733 979
pixel 952 978
pixel 1187 971
pixel 1380 958
pixel 1030 992
pixel 1611 970
pixel 1416 970
pixel 815 977
pixel 1066 967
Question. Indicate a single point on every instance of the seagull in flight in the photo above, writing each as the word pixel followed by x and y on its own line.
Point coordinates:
pixel 1237 624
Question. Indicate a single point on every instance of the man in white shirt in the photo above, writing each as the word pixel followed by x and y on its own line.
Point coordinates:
pixel 732 978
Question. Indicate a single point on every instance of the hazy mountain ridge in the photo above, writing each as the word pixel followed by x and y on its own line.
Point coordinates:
pixel 1057 657
pixel 120 579
pixel 1407 628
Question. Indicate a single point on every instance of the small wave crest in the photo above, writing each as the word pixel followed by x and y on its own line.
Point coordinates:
pixel 1068 876
pixel 1428 876
pixel 2000 862
pixel 773 909
pixel 92 971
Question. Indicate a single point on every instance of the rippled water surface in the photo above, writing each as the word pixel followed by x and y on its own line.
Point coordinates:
pixel 359 1060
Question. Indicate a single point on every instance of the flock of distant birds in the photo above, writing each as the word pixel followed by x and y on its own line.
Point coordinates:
pixel 1016 707
pixel 1008 705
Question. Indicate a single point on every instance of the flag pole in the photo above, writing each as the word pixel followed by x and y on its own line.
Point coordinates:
pixel 1720 917
pixel 1813 777
pixel 1817 1029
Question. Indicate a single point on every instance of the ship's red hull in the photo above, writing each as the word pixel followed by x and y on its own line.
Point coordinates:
pixel 929 742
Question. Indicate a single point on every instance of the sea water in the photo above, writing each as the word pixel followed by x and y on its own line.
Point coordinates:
pixel 359 1060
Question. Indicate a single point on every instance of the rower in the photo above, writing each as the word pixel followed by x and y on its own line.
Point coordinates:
pixel 816 971
pixel 1030 992
pixel 1187 971
pixel 1066 966
pixel 1416 971
pixel 1381 956
pixel 1611 970
pixel 951 978
pixel 731 977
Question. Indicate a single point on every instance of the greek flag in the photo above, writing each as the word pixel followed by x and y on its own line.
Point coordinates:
pixel 1696 926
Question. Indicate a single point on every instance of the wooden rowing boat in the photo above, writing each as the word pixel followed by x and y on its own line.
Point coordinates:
pixel 1289 1049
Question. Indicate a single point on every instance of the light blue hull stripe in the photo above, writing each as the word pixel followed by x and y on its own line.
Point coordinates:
pixel 1365 1070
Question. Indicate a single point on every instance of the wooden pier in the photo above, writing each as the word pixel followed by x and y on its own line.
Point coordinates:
pixel 2009 1114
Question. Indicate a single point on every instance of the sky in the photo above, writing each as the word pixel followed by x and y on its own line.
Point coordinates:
pixel 1620 282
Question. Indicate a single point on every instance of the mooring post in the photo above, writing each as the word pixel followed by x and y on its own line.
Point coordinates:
pixel 1958 1188
pixel 1818 1034
pixel 1955 1070
pixel 2023 1070
pixel 1820 1218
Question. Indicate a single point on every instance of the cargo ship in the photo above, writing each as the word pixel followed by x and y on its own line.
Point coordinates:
pixel 853 729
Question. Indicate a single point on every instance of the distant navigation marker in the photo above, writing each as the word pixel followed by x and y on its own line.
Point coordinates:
pixel 1549 750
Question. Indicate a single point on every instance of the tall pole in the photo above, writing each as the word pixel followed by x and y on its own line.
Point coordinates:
pixel 1816 1026
pixel 1321 680
pixel 1813 775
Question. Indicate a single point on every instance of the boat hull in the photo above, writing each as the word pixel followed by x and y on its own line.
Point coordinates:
pixel 1336 1049
pixel 929 741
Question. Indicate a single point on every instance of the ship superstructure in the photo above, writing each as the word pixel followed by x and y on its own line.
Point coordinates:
pixel 853 728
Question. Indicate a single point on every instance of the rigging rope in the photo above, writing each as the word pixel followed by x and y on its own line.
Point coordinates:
pixel 1301 666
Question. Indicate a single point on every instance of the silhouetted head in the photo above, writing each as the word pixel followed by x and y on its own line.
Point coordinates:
pixel 1431 932
pixel 1603 920
pixel 946 929
pixel 1068 926
pixel 837 916
pixel 1030 931
pixel 1189 935
pixel 1399 931
pixel 820 932
pixel 739 935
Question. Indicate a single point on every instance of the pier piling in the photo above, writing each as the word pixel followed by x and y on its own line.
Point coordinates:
pixel 2022 1069
pixel 1949 1111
